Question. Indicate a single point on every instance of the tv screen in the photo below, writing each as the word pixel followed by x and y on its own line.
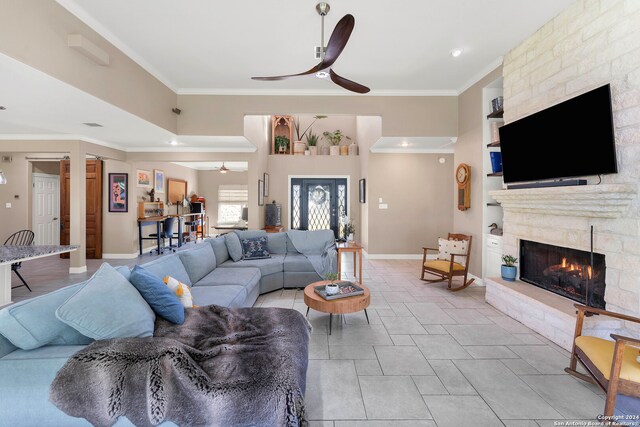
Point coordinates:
pixel 571 139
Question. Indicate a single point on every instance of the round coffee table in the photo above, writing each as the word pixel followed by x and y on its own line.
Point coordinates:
pixel 336 306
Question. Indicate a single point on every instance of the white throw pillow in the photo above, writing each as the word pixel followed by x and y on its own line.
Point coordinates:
pixel 456 247
pixel 181 290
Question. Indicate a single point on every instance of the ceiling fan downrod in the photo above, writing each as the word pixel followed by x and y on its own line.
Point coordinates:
pixel 322 9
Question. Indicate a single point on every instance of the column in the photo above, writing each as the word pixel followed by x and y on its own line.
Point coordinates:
pixel 78 207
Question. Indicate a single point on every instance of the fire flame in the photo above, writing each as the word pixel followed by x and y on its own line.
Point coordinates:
pixel 589 272
pixel 564 262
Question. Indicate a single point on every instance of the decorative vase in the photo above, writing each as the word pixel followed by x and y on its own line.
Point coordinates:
pixel 299 147
pixel 307 152
pixel 332 288
pixel 344 150
pixel 508 272
pixel 324 150
pixel 353 149
pixel 313 150
pixel 334 150
pixel 350 237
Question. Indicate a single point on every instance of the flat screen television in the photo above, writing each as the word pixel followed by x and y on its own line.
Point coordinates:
pixel 572 139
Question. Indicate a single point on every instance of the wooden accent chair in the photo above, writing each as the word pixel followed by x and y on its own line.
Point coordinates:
pixel 612 365
pixel 448 268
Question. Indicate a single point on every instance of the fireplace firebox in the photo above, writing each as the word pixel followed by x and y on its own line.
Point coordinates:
pixel 578 275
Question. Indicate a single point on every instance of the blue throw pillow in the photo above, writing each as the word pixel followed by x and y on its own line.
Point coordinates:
pixel 107 306
pixel 255 248
pixel 163 302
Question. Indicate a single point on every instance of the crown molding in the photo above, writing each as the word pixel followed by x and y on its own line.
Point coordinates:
pixel 402 150
pixel 309 92
pixel 486 70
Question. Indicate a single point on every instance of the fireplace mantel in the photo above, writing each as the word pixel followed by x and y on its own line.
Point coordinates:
pixel 592 201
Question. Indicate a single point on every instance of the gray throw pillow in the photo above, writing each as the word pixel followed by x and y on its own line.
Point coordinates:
pixel 233 246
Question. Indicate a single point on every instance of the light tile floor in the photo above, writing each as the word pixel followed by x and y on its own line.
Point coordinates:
pixel 429 358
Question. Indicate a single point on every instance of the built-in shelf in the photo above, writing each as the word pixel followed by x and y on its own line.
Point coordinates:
pixel 495 174
pixel 496 114
pixel 493 144
pixel 494 204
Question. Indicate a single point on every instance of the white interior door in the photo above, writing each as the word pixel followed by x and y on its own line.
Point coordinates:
pixel 46 209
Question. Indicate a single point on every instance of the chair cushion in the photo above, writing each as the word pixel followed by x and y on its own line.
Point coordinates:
pixel 198 262
pixel 600 352
pixel 255 248
pixel 446 248
pixel 108 306
pixel 233 246
pixel 219 249
pixel 163 302
pixel 267 265
pixel 441 265
pixel 33 323
pixel 298 262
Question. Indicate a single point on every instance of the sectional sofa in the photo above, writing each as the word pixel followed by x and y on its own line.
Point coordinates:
pixel 35 344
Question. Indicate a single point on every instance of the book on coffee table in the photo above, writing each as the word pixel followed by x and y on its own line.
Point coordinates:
pixel 346 289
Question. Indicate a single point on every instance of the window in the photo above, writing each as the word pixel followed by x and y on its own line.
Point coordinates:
pixel 231 201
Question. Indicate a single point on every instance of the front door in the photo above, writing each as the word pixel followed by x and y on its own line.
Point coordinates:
pixel 46 209
pixel 93 195
pixel 318 204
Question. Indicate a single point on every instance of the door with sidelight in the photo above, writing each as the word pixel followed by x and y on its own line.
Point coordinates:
pixel 318 204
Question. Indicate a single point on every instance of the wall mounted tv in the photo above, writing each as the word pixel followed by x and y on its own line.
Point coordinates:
pixel 571 139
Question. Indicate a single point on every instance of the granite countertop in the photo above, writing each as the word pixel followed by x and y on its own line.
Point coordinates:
pixel 16 253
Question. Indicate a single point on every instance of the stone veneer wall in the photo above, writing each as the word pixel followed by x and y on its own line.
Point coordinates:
pixel 591 43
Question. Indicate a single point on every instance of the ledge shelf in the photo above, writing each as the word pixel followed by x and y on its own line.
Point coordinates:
pixel 495 174
pixel 494 144
pixel 496 114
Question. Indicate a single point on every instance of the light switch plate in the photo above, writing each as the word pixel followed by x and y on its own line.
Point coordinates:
pixel 383 206
pixel 380 200
pixel 7 205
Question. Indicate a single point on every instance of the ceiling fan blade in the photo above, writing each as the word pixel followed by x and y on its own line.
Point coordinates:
pixel 348 84
pixel 338 40
pixel 311 71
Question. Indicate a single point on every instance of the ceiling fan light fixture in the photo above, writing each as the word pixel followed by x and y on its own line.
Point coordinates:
pixel 456 52
pixel 3 179
pixel 223 169
pixel 322 75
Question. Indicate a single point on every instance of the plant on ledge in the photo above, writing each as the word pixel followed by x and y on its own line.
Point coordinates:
pixel 334 137
pixel 296 125
pixel 312 139
pixel 508 268
pixel 281 144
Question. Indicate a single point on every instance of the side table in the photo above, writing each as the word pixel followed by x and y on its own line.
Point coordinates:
pixel 356 249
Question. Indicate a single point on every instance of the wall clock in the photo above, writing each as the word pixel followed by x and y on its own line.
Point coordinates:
pixel 463 178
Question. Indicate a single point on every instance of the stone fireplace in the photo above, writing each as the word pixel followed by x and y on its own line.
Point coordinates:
pixel 561 218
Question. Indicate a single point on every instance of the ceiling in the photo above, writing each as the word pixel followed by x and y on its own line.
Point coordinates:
pixel 204 46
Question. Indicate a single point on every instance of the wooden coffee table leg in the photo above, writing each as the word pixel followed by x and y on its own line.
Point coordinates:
pixel 330 318
pixel 367 315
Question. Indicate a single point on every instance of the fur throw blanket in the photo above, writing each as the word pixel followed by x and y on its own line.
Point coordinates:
pixel 222 367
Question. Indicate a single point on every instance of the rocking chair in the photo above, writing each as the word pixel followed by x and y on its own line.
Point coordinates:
pixel 612 365
pixel 450 262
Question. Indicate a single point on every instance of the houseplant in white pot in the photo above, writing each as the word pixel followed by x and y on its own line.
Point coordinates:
pixel 312 140
pixel 299 146
pixel 331 288
pixel 508 268
pixel 334 139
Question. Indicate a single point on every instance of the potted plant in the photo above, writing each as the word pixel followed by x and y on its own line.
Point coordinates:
pixel 508 268
pixel 350 230
pixel 331 288
pixel 299 146
pixel 281 144
pixel 312 140
pixel 334 139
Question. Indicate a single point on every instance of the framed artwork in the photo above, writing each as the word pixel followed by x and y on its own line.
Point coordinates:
pixel 143 178
pixel 118 192
pixel 266 185
pixel 362 187
pixel 158 180
pixel 260 192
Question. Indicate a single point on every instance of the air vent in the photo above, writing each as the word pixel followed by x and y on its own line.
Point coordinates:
pixel 93 125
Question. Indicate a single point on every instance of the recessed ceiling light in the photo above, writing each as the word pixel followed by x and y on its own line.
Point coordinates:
pixel 404 144
pixel 456 52
pixel 93 125
pixel 173 143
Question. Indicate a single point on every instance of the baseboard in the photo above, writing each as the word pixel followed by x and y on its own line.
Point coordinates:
pixel 477 280
pixel 77 270
pixel 120 256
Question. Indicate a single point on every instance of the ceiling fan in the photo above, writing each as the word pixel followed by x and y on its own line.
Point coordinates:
pixel 224 169
pixel 329 54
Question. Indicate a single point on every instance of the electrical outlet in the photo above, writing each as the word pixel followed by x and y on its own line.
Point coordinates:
pixel 7 205
pixel 383 206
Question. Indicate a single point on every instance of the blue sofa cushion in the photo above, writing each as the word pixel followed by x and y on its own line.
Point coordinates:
pixel 163 302
pixel 33 323
pixel 246 277
pixel 267 266
pixel 223 295
pixel 198 262
pixel 277 243
pixel 255 248
pixel 219 249
pixel 108 306
pixel 168 266
pixel 298 263
pixel 250 234
pixel 233 246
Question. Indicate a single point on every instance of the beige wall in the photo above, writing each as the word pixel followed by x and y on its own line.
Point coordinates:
pixel 282 167
pixel 417 189
pixel 209 182
pixel 402 116
pixel 35 32
pixel 369 130
pixel 468 149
